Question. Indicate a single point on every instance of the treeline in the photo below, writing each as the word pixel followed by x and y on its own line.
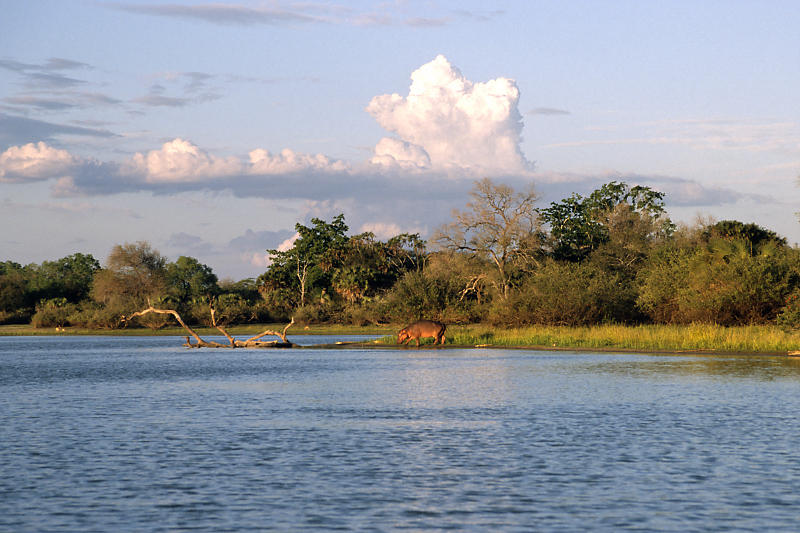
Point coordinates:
pixel 613 256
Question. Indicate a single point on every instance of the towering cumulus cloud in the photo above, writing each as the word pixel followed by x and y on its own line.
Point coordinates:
pixel 449 122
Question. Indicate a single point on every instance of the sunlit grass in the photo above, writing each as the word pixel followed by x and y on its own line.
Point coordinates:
pixel 695 337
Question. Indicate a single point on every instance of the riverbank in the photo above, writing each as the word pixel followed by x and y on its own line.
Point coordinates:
pixel 696 338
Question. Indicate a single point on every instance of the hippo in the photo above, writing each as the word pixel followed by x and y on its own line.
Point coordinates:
pixel 420 330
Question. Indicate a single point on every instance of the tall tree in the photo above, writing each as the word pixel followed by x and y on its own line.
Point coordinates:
pixel 189 279
pixel 134 275
pixel 310 262
pixel 499 224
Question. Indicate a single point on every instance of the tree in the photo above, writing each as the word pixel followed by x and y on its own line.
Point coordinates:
pixel 499 224
pixel 310 262
pixel 69 278
pixel 579 225
pixel 752 235
pixel 134 275
pixel 188 279
pixel 367 266
pixel 13 293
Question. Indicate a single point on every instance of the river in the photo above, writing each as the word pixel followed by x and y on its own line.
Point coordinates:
pixel 141 434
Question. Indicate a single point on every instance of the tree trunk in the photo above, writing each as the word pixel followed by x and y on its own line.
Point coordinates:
pixel 252 342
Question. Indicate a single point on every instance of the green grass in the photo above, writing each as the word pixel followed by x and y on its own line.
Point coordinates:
pixel 695 337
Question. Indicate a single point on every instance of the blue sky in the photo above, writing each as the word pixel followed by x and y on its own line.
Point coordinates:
pixel 210 129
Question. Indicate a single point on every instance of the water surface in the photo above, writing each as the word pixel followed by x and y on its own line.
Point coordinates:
pixel 140 434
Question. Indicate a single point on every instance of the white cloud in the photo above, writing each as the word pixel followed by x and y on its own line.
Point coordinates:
pixel 261 259
pixel 257 259
pixel 288 243
pixel 456 122
pixel 396 153
pixel 181 161
pixel 263 162
pixel 34 162
pixel 386 230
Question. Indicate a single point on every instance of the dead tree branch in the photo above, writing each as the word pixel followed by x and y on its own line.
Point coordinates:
pixel 269 332
pixel 252 342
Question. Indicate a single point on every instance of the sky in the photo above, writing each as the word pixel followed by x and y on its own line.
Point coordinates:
pixel 211 129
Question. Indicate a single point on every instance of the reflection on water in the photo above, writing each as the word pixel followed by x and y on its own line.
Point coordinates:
pixel 133 434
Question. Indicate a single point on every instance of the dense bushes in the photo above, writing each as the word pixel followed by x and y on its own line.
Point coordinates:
pixel 725 282
pixel 567 294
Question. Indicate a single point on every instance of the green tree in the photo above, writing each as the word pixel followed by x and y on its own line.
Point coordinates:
pixel 14 300
pixel 579 225
pixel 188 279
pixel 69 277
pixel 367 266
pixel 752 235
pixel 567 294
pixel 309 264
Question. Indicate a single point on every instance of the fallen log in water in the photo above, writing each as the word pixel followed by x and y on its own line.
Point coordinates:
pixel 252 342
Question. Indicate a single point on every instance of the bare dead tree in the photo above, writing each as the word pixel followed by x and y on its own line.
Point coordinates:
pixel 252 342
pixel 499 225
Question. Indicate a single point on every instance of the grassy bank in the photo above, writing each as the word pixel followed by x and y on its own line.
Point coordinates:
pixel 695 338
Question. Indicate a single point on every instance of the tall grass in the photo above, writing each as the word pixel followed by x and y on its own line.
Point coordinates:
pixel 695 337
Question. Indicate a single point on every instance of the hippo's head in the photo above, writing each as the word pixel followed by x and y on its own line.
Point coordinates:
pixel 402 336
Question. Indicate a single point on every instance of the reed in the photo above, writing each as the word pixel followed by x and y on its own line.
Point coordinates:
pixel 694 337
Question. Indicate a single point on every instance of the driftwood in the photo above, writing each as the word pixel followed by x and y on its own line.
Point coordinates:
pixel 252 342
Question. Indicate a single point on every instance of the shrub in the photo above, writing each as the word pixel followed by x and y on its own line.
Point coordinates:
pixel 568 294
pixel 419 295
pixel 724 284
pixel 53 313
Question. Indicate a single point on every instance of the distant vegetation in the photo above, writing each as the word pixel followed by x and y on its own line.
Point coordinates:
pixel 612 257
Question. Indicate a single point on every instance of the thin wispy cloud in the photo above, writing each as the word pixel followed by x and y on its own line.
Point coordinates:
pixel 160 100
pixel 23 130
pixel 287 14
pixel 548 111
pixel 697 134
pixel 43 103
pixel 236 15
pixel 426 22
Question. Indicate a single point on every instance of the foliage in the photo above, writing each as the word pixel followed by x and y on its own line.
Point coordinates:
pixel 53 313
pixel 568 294
pixel 187 279
pixel 325 271
pixel 420 294
pixel 308 265
pixel 69 278
pixel 753 235
pixel 579 225
pixel 13 293
pixel 610 257
pixel 134 275
pixel 721 283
